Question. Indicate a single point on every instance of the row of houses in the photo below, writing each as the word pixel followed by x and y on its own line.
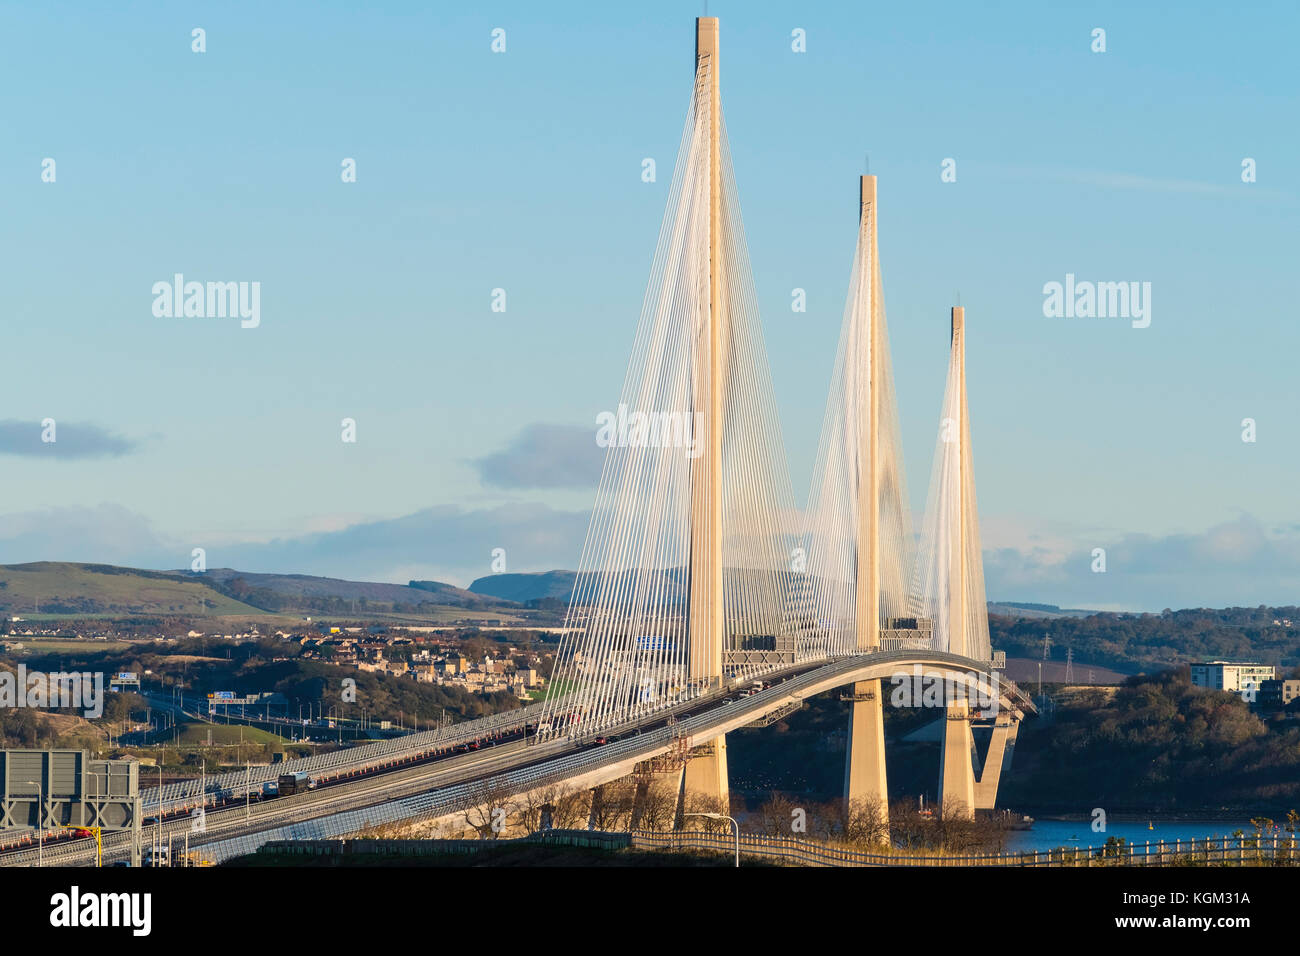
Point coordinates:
pixel 449 667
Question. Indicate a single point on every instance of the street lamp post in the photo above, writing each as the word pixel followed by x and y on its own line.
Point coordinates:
pixel 722 816
pixel 40 822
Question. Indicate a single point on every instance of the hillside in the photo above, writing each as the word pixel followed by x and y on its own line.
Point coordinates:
pixel 523 588
pixel 1128 642
pixel 1156 743
pixel 59 587
pixel 1015 609
pixel 308 592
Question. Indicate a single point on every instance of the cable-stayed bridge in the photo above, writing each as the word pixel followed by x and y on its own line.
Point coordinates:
pixel 698 575
pixel 705 601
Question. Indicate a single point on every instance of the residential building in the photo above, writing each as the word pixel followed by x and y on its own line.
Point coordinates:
pixel 1232 676
pixel 1278 693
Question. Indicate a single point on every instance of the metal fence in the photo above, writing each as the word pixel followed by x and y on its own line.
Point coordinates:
pixel 1216 851
pixel 1226 851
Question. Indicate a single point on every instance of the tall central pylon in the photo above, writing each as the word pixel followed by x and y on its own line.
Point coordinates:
pixel 950 566
pixel 865 782
pixel 706 773
pixel 706 600
pixel 858 536
pixel 957 546
pixel 868 438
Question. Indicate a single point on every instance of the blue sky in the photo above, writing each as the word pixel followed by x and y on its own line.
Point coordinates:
pixel 522 170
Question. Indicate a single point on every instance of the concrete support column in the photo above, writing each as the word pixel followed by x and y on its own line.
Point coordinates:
pixel 999 756
pixel 865 780
pixel 956 772
pixel 706 774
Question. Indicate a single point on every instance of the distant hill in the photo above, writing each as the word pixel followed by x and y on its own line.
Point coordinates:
pixel 1127 642
pixel 60 587
pixel 527 587
pixel 450 594
pixel 305 592
pixel 308 587
pixel 1015 609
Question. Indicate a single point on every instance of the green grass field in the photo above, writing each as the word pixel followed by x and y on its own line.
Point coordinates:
pixel 47 645
pixel 554 689
pixel 195 733
pixel 83 589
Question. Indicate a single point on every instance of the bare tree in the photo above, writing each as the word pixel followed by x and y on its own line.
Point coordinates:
pixel 533 807
pixel 697 803
pixel 568 809
pixel 571 809
pixel 487 807
pixel 865 822
pixel 657 802
pixel 776 815
pixel 611 805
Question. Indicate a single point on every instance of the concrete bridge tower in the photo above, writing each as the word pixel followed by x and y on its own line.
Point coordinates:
pixel 956 770
pixel 707 774
pixel 864 770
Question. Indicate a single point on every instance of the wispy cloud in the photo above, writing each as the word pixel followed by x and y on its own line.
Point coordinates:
pixel 104 534
pixel 545 456
pixel 1239 562
pixel 447 543
pixel 71 440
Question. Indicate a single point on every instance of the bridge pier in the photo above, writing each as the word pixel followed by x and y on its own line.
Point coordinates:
pixel 865 779
pixel 706 775
pixel 1001 747
pixel 956 770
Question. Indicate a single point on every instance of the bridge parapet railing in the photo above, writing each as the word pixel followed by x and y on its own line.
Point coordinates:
pixel 906 643
pixel 181 793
